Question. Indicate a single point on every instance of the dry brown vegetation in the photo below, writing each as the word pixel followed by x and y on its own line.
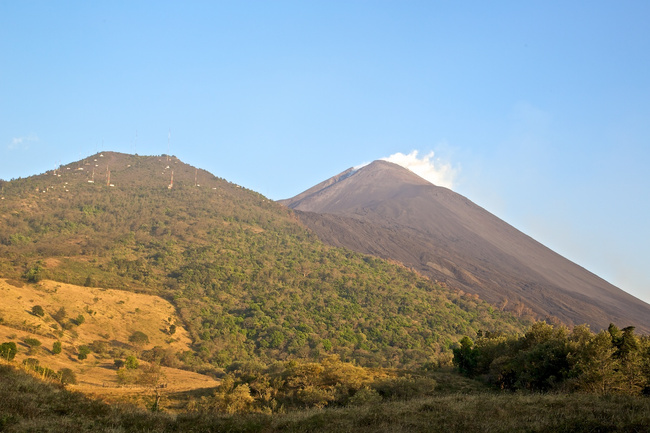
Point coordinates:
pixel 111 316
pixel 37 406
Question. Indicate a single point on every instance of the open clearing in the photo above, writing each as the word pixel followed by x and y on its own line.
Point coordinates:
pixel 110 316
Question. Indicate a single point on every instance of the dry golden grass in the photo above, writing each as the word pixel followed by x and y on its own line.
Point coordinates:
pixel 110 316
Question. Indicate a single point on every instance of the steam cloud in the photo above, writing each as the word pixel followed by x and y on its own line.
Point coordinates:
pixel 22 142
pixel 436 171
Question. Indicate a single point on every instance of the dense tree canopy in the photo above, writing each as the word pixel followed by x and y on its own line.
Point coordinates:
pixel 554 358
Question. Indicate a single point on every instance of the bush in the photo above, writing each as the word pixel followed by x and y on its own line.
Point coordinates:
pixel 99 347
pixel 131 362
pixel 32 342
pixel 8 350
pixel 68 376
pixel 405 387
pixel 60 315
pixel 83 352
pixel 139 338
pixel 365 396
pixel 37 310
pixel 34 274
pixel 31 363
pixel 56 348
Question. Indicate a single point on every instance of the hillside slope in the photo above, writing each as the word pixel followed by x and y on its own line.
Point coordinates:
pixel 247 279
pixel 385 210
pixel 110 318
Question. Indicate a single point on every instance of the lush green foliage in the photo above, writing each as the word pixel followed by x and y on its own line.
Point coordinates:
pixel 554 358
pixel 249 282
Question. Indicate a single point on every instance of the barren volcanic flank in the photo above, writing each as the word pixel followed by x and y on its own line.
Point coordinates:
pixel 388 211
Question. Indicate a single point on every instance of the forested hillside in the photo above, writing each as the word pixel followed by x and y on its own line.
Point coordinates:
pixel 248 280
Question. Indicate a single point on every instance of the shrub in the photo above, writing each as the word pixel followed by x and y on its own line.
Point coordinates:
pixel 60 315
pixel 8 350
pixel 68 376
pixel 31 363
pixel 80 319
pixel 131 362
pixel 56 348
pixel 365 396
pixel 32 342
pixel 404 387
pixel 83 352
pixel 99 347
pixel 139 338
pixel 34 274
pixel 37 310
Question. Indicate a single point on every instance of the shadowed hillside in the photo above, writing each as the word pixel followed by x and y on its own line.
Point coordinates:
pixel 386 210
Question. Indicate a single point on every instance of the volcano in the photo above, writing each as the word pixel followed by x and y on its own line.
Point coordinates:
pixel 386 210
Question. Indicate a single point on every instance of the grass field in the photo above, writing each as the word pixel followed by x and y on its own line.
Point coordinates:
pixel 111 316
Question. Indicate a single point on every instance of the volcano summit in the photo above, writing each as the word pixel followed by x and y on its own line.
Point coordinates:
pixel 385 210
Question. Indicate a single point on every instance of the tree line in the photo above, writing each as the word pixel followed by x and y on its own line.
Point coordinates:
pixel 554 358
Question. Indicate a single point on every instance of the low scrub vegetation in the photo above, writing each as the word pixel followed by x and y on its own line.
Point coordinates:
pixel 294 385
pixel 32 405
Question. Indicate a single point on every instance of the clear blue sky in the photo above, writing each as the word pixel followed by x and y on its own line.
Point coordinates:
pixel 540 110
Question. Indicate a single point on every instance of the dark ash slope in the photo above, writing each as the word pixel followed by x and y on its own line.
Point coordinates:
pixel 386 210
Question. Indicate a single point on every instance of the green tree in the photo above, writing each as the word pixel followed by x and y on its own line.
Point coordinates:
pixel 32 342
pixel 56 348
pixel 34 274
pixel 68 376
pixel 8 350
pixel 139 338
pixel 151 376
pixel 595 367
pixel 131 362
pixel 466 357
pixel 84 351
pixel 233 399
pixel 37 310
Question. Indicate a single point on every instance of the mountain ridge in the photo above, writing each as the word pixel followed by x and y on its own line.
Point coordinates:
pixel 248 280
pixel 385 209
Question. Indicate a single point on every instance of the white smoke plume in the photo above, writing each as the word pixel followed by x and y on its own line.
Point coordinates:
pixel 436 171
pixel 22 142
